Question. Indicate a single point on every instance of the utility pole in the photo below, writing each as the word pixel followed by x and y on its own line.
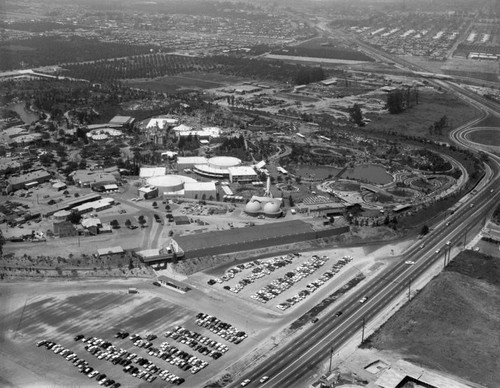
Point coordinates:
pixel 363 331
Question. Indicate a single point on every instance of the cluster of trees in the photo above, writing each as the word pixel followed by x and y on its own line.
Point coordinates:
pixel 161 64
pixel 90 102
pixel 189 143
pixel 426 160
pixel 307 75
pixel 51 50
pixel 356 115
pixel 437 127
pixel 234 146
pixel 401 99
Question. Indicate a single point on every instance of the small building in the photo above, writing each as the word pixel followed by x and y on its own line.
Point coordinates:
pixel 200 190
pixel 148 192
pixel 94 179
pixel 124 121
pixel 34 177
pixel 148 172
pixel 58 186
pixel 99 205
pixel 111 252
pixel 242 174
pixel 92 225
pixel 158 258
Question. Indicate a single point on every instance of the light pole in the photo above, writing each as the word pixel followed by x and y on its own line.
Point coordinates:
pixel 331 355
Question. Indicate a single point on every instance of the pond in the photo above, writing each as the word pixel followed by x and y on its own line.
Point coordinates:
pixel 370 173
pixel 27 116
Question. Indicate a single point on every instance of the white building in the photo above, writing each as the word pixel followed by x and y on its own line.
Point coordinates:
pixel 200 190
pixel 242 174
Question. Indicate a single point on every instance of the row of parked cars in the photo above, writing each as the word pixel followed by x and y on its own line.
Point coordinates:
pixel 197 342
pixel 146 370
pixel 222 329
pixel 314 285
pixel 80 363
pixel 183 359
pixel 260 269
pixel 171 354
pixel 270 291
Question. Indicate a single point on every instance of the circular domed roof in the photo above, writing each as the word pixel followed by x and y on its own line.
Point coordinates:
pixel 224 161
pixel 271 208
pixel 253 207
pixel 169 182
pixel 62 213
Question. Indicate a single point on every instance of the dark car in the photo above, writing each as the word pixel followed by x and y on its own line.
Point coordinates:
pixel 156 284
pixel 79 337
pixel 338 314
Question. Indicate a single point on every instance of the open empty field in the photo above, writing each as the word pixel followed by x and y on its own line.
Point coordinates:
pixel 487 136
pixel 452 325
pixel 416 120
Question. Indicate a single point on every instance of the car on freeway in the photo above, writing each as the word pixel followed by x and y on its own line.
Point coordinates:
pixel 315 319
pixel 409 262
pixel 363 299
pixel 245 382
pixel 438 250
pixel 448 242
pixel 264 379
pixel 338 314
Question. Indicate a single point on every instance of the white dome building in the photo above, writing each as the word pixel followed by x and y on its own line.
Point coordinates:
pixel 169 183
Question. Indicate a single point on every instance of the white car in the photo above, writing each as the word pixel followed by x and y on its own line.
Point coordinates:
pixel 245 382
pixel 264 379
pixel 409 262
pixel 363 299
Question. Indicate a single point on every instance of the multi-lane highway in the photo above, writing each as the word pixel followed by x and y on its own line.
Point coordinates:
pixel 296 359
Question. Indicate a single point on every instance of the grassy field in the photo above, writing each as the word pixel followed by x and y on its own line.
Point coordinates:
pixel 486 136
pixel 417 120
pixel 452 325
pixel 187 81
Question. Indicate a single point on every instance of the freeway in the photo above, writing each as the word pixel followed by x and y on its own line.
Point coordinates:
pixel 296 359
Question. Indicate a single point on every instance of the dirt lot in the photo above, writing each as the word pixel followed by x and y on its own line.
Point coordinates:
pixel 58 310
pixel 452 325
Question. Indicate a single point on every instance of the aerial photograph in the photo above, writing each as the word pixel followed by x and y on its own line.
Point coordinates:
pixel 250 193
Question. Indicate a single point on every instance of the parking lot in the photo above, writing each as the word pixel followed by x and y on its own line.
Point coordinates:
pixel 283 282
